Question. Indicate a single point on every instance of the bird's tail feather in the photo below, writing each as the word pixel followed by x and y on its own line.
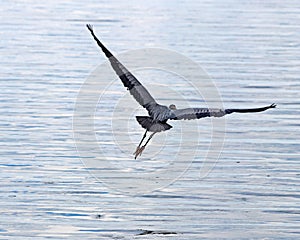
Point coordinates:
pixel 151 125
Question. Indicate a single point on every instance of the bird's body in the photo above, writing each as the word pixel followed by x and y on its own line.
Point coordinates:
pixel 160 114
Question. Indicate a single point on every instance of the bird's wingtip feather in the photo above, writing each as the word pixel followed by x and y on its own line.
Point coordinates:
pixel 273 105
pixel 90 27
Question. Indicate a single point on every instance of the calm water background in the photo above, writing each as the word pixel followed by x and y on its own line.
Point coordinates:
pixel 250 49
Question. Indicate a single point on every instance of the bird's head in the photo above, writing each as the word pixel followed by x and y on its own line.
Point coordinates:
pixel 172 107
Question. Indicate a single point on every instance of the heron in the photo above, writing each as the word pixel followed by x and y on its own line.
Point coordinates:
pixel 158 114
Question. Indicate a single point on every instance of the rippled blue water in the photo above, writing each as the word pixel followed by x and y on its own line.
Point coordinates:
pixel 251 51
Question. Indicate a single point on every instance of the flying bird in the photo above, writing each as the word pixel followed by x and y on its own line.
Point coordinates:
pixel 160 114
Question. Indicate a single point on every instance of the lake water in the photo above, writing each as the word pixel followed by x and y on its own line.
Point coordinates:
pixel 251 52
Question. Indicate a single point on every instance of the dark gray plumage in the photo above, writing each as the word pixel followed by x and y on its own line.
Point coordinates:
pixel 136 89
pixel 160 114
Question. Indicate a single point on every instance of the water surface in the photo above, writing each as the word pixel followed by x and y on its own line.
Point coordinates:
pixel 250 50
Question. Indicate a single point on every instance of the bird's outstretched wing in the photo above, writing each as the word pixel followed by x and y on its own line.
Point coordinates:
pixel 196 113
pixel 136 89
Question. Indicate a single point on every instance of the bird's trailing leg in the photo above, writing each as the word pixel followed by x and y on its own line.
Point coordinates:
pixel 141 149
pixel 138 147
